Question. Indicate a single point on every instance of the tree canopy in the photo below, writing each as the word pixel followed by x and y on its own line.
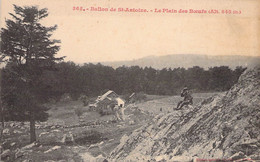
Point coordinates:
pixel 93 80
pixel 29 51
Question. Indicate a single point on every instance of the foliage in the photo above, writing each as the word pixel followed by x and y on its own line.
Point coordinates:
pixel 79 111
pixel 139 97
pixel 84 99
pixel 94 80
pixel 29 51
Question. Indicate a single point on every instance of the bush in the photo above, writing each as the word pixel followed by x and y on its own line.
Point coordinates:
pixel 103 112
pixel 84 99
pixel 139 97
pixel 79 111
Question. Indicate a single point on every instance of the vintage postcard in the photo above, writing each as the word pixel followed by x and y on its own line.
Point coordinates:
pixel 139 80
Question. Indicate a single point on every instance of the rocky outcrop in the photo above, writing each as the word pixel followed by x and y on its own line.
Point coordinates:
pixel 221 127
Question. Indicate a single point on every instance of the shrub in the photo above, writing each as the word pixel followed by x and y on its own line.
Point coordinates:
pixel 84 99
pixel 79 111
pixel 139 97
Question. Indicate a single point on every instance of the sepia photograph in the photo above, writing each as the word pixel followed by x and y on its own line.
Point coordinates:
pixel 134 81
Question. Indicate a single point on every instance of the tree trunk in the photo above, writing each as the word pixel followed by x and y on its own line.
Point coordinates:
pixel 2 118
pixel 32 127
pixel 1 107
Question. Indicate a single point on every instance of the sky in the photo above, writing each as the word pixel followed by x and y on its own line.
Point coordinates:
pixel 93 36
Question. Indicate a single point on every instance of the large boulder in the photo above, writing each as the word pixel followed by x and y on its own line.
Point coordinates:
pixel 217 128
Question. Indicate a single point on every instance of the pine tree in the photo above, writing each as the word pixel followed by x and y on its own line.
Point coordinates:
pixel 30 51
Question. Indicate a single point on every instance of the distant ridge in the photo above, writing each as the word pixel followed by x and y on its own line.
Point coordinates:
pixel 189 60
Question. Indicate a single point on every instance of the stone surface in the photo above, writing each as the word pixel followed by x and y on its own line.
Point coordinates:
pixel 217 128
pixel 5 153
pixel 52 149
pixel 6 131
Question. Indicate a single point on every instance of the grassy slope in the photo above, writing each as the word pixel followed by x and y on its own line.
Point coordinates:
pixel 167 103
pixel 63 120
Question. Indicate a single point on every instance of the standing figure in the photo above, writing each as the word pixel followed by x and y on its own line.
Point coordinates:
pixel 187 98
pixel 120 112
pixel 116 108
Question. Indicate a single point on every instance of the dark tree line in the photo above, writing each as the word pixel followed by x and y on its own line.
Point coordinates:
pixel 93 80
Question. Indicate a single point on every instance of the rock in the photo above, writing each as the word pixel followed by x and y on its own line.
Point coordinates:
pixel 131 122
pixel 6 154
pixel 29 146
pixel 52 149
pixel 63 139
pixel 27 160
pixel 56 130
pixel 159 158
pixel 38 126
pixel 88 157
pixel 17 132
pixel 67 138
pixel 19 153
pixel 209 130
pixel 43 133
pixel 6 131
pixel 12 144
pixel 238 156
pixel 181 158
pixel 70 160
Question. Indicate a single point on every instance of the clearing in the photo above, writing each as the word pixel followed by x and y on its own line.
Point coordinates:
pixel 67 137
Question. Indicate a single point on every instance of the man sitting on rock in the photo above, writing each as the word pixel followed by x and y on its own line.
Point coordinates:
pixel 187 98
